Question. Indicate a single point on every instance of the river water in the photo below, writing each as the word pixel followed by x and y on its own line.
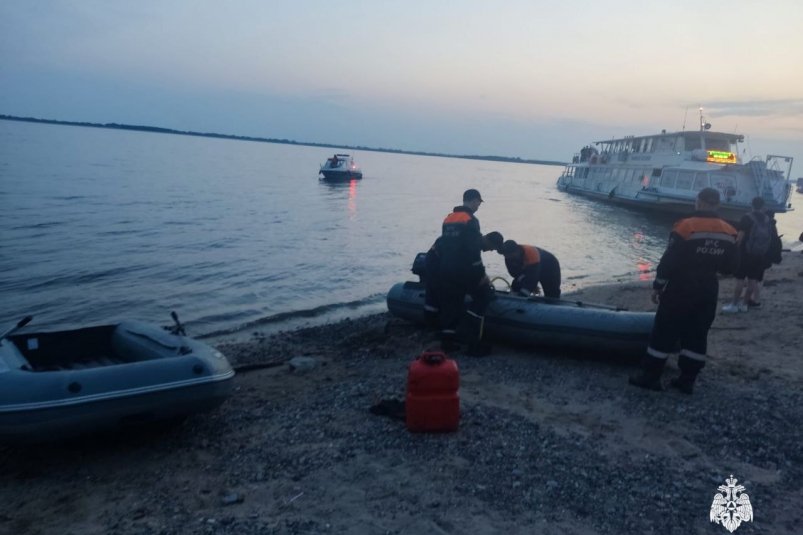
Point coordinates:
pixel 100 225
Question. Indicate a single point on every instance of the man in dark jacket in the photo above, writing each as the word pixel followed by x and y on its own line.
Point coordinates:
pixel 461 272
pixel 529 266
pixel 753 255
pixel 431 266
pixel 686 291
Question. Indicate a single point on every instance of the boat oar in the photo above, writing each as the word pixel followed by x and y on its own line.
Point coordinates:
pixel 20 324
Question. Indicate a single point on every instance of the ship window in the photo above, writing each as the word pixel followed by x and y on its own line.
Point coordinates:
pixel 700 181
pixel 685 179
pixel 692 143
pixel 656 171
pixel 668 180
pixel 717 144
pixel 725 184
pixel 648 146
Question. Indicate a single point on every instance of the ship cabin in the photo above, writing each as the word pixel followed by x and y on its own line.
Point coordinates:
pixel 711 147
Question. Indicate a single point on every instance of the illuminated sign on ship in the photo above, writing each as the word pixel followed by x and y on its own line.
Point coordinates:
pixel 719 156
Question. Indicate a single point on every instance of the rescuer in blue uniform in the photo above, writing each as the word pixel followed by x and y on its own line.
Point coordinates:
pixel 686 291
pixel 461 272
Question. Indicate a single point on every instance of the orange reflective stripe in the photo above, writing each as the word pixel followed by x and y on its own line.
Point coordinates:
pixel 531 255
pixel 686 227
pixel 457 217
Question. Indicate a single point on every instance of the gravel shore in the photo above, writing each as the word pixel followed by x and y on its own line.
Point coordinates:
pixel 547 443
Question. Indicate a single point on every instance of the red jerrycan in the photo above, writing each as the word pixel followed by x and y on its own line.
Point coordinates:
pixel 433 402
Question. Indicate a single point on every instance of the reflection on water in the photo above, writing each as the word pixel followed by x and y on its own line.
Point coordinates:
pixel 335 190
pixel 352 199
pixel 643 265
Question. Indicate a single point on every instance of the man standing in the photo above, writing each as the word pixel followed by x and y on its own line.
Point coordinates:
pixel 429 276
pixel 686 291
pixel 461 272
pixel 529 266
pixel 756 233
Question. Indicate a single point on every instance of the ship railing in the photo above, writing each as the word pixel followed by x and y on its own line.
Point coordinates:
pixel 772 183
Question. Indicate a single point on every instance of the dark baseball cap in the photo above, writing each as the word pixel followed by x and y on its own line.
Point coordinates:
pixel 472 195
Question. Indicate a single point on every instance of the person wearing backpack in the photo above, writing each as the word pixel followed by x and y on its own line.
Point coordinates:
pixel 756 234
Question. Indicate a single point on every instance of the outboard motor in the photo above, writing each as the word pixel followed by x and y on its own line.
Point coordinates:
pixel 420 267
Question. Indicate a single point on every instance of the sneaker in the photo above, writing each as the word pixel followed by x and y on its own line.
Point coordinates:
pixel 731 308
pixel 753 304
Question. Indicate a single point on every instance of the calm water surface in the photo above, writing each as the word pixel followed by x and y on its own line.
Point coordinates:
pixel 100 225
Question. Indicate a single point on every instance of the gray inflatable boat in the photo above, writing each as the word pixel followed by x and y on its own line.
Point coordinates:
pixel 59 384
pixel 542 322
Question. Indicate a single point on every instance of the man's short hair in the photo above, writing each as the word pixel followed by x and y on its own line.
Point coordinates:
pixel 510 248
pixel 471 195
pixel 709 196
pixel 757 203
pixel 496 240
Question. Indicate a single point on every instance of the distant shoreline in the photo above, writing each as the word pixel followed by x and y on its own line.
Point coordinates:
pixel 159 130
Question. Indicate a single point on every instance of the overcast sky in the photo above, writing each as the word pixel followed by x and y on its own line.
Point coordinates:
pixel 528 78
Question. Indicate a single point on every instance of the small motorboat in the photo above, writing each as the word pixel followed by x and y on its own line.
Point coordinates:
pixel 58 384
pixel 340 168
pixel 544 322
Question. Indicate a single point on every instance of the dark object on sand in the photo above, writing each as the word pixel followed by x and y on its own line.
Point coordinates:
pixel 392 408
pixel 59 384
pixel 545 322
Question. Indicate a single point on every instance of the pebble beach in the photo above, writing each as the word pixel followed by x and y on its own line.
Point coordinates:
pixel 547 443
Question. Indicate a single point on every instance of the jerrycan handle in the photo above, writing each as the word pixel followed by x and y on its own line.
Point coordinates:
pixel 432 357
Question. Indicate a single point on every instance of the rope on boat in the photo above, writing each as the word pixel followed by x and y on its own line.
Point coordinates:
pixel 501 279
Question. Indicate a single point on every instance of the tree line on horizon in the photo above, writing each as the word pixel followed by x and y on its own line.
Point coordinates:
pixel 159 130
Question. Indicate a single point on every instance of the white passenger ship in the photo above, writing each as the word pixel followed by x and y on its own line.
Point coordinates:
pixel 665 171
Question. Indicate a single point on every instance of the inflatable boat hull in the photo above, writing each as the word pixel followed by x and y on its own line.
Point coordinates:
pixel 542 322
pixel 55 385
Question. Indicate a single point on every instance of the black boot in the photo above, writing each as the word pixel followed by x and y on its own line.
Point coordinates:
pixel 650 374
pixel 431 320
pixel 449 342
pixel 689 368
pixel 474 327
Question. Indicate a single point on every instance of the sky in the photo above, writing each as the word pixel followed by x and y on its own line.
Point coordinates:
pixel 524 78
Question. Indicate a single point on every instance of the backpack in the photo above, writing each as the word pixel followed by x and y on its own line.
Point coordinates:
pixel 759 237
